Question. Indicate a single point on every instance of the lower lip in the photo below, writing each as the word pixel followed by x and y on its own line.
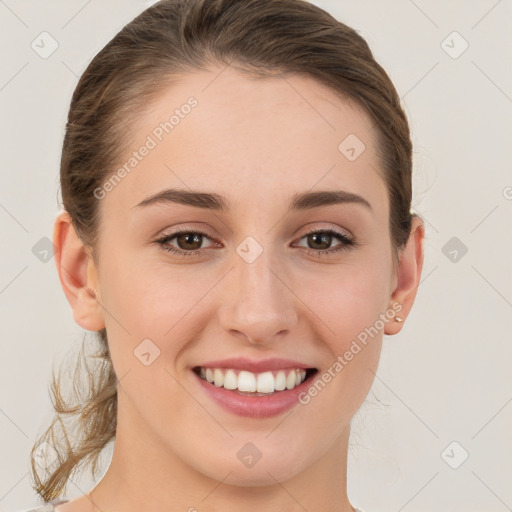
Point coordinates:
pixel 254 406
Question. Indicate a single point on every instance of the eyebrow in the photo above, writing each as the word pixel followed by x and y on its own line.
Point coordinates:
pixel 211 201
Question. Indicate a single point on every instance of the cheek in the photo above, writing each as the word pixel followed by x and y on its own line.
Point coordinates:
pixel 152 308
pixel 147 297
pixel 147 313
pixel 156 299
pixel 347 298
pixel 348 308
pixel 150 298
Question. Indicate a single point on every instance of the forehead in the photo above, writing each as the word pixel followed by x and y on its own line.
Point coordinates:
pixel 225 130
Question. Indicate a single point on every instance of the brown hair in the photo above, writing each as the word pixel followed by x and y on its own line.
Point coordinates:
pixel 260 37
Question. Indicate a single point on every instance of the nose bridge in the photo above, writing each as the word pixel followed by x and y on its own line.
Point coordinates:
pixel 258 304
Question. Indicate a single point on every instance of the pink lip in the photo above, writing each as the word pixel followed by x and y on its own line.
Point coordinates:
pixel 242 363
pixel 253 406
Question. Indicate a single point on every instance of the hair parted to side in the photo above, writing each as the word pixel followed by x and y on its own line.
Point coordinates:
pixel 170 38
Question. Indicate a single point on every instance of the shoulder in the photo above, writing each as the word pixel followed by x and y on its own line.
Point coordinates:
pixel 38 508
pixel 43 507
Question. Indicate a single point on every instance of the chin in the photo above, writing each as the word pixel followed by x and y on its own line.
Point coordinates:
pixel 264 472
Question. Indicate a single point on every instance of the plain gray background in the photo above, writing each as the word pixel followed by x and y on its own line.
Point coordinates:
pixel 445 378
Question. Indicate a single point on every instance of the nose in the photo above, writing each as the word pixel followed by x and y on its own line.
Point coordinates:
pixel 259 303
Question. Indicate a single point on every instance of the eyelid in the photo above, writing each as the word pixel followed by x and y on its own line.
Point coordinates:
pixel 336 229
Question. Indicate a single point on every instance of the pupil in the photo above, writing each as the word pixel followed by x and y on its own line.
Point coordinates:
pixel 326 238
pixel 186 238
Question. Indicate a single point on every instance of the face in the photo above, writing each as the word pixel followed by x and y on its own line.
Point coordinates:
pixel 268 282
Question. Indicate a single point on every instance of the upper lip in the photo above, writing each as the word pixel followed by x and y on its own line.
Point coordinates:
pixel 253 366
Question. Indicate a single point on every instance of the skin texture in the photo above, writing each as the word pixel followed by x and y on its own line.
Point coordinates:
pixel 257 142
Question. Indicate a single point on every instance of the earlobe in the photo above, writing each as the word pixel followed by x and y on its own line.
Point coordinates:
pixel 77 274
pixel 408 276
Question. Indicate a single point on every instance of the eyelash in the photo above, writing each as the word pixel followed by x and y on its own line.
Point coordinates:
pixel 346 244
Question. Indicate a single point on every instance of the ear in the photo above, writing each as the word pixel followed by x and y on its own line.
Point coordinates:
pixel 77 274
pixel 408 274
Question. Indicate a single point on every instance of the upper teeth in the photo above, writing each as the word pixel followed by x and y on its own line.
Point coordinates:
pixel 266 382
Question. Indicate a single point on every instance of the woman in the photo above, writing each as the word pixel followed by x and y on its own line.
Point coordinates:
pixel 236 184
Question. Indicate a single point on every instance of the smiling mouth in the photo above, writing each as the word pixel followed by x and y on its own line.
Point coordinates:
pixel 255 384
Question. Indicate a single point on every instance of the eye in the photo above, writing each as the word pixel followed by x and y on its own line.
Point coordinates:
pixel 188 241
pixel 321 239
